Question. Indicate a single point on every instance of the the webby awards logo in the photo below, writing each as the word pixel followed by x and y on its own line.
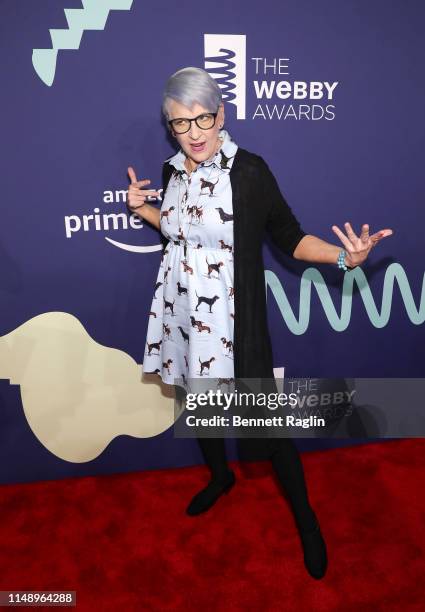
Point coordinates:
pixel 275 92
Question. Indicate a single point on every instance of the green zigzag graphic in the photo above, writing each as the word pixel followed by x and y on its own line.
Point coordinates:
pixel 92 16
pixel 311 276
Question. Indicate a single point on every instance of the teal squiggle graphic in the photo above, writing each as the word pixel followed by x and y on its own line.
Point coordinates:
pixel 312 277
pixel 92 16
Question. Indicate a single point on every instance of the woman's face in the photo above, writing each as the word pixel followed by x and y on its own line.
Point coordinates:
pixel 198 144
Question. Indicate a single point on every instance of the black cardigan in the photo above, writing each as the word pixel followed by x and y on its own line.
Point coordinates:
pixel 258 206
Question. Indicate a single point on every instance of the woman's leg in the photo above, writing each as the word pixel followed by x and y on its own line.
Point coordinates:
pixel 213 449
pixel 286 461
pixel 214 452
pixel 222 478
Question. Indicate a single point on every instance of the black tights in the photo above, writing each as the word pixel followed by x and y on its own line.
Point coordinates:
pixel 286 463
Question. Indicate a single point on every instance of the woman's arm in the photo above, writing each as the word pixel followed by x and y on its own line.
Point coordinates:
pixel 282 225
pixel 288 235
pixel 149 213
pixel 314 249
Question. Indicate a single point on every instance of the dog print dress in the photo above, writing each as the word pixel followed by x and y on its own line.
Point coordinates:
pixel 190 329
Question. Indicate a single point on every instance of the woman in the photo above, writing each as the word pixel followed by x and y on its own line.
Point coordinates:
pixel 209 314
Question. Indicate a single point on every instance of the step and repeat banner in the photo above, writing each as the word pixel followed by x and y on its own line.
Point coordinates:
pixel 329 93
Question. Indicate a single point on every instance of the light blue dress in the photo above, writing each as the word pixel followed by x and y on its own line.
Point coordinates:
pixel 190 330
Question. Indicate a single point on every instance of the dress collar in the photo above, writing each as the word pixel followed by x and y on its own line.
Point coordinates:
pixel 223 159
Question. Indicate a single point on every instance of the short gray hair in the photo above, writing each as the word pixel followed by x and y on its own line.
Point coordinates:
pixel 190 85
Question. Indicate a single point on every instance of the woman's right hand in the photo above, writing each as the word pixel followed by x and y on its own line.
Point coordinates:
pixel 136 194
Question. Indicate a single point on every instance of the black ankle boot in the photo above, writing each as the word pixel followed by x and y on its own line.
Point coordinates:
pixel 206 498
pixel 315 553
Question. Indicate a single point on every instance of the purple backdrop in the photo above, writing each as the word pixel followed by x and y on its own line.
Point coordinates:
pixel 65 144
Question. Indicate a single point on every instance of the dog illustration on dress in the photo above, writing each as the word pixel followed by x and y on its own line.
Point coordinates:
pixel 224 216
pixel 184 200
pixel 185 336
pixel 214 267
pixel 166 274
pixel 154 345
pixel 200 325
pixel 207 300
pixel 166 331
pixel 196 212
pixel 170 306
pixel 225 381
pixel 228 345
pixel 166 213
pixel 225 246
pixel 194 322
pixel 178 174
pixel 208 185
pixel 180 289
pixel 167 364
pixel 205 365
pixel 186 267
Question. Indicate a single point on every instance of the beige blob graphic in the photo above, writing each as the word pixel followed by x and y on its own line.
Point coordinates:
pixel 77 394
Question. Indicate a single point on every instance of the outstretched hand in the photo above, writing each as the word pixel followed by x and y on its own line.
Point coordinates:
pixel 137 195
pixel 358 248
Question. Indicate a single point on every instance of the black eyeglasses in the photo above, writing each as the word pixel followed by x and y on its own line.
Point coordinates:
pixel 204 121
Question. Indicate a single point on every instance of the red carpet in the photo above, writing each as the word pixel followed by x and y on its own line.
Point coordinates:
pixel 123 542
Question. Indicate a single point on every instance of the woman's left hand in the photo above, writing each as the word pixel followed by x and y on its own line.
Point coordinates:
pixel 358 247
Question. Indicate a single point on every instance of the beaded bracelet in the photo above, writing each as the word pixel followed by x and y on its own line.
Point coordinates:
pixel 341 261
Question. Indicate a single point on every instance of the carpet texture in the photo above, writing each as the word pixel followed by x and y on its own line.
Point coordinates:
pixel 124 542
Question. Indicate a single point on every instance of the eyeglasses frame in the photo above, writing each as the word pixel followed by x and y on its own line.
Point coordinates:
pixel 170 122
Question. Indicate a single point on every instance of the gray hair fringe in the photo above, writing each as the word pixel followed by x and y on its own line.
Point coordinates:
pixel 190 85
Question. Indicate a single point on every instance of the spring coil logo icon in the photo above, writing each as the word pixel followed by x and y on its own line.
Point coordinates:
pixel 227 67
pixel 312 278
pixel 225 60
